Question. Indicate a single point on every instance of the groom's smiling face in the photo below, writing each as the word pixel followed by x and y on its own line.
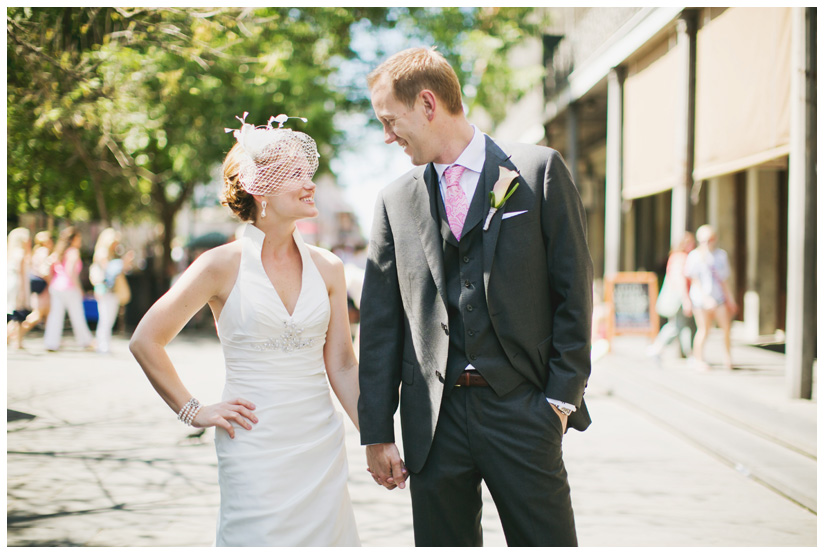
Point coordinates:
pixel 407 126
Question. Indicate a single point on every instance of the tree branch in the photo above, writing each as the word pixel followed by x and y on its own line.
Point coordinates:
pixel 40 53
pixel 92 166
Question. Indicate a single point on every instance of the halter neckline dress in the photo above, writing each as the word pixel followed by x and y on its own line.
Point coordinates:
pixel 283 483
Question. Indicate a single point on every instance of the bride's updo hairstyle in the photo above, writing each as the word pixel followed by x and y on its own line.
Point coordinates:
pixel 234 196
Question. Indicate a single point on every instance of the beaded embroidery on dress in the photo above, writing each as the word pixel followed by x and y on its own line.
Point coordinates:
pixel 283 483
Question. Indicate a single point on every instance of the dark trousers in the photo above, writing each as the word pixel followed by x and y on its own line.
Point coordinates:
pixel 513 443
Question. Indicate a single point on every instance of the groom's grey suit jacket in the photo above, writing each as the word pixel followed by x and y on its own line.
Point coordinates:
pixel 537 276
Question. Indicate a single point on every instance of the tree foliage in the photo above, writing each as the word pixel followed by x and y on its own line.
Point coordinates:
pixel 479 42
pixel 118 112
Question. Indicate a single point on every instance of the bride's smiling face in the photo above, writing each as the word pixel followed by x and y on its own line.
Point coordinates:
pixel 295 199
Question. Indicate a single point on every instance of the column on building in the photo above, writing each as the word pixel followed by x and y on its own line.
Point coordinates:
pixel 801 308
pixel 685 106
pixel 761 280
pixel 722 214
pixel 572 155
pixel 613 174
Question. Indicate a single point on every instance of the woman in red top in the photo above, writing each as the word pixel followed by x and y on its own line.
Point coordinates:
pixel 673 302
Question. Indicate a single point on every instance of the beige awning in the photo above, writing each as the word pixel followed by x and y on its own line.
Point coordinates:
pixel 649 123
pixel 743 83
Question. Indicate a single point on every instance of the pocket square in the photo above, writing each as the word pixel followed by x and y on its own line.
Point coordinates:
pixel 513 214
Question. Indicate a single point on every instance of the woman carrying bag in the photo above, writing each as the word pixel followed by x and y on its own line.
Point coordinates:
pixel 107 274
pixel 671 302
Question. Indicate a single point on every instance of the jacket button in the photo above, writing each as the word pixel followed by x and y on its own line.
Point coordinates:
pixel 466 259
pixel 467 283
pixel 471 333
pixel 473 357
pixel 469 308
pixel 445 328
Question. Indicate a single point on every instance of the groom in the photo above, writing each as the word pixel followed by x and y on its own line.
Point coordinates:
pixel 484 325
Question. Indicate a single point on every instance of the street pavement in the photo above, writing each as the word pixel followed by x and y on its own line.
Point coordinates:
pixel 674 457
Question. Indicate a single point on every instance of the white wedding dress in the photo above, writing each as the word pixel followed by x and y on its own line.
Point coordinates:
pixel 283 483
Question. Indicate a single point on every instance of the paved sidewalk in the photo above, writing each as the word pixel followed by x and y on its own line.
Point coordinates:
pixel 673 458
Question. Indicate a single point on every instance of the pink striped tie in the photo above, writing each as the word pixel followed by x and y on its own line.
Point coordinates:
pixel 456 201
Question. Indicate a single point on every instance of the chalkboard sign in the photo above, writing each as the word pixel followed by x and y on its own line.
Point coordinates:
pixel 631 300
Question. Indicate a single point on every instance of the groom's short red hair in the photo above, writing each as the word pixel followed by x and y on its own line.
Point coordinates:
pixel 416 69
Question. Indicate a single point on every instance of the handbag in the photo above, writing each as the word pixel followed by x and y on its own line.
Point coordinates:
pixel 669 301
pixel 122 290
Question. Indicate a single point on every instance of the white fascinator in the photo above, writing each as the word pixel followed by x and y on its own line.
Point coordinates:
pixel 274 159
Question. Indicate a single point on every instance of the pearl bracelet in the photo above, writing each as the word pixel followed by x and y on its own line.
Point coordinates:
pixel 189 410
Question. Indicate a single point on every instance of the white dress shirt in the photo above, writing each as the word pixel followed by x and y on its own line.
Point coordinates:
pixel 473 160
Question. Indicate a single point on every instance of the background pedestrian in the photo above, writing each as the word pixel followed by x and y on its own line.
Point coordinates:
pixel 66 292
pixel 39 277
pixel 107 275
pixel 18 260
pixel 707 269
pixel 672 300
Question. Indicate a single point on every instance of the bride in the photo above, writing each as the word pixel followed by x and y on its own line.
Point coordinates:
pixel 280 309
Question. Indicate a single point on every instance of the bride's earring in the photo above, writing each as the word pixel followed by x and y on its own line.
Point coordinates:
pixel 263 209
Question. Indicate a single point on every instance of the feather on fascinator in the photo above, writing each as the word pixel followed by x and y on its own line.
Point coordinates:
pixel 274 159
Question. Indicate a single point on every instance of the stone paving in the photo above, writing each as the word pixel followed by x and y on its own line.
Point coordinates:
pixel 104 462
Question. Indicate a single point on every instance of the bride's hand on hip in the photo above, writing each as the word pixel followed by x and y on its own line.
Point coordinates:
pixel 222 415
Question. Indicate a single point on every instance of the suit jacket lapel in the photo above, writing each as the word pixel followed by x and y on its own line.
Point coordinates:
pixel 494 159
pixel 425 206
pixel 478 204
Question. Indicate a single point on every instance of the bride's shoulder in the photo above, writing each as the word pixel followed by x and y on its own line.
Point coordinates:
pixel 330 266
pixel 323 257
pixel 219 261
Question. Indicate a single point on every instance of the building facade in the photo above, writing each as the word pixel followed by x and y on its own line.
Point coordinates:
pixel 675 117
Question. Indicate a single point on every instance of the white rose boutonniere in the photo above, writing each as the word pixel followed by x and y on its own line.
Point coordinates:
pixel 500 193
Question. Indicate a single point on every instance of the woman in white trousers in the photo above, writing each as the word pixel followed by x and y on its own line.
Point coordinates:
pixel 66 292
pixel 103 273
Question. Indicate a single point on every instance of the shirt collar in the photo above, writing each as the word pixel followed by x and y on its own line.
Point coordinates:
pixel 471 158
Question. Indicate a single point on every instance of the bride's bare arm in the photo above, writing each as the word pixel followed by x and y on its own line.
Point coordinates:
pixel 208 280
pixel 339 355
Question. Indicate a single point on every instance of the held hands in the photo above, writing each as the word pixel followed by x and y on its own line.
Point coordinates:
pixel 222 415
pixel 385 465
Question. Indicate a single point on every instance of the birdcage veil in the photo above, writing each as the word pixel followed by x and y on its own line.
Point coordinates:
pixel 274 159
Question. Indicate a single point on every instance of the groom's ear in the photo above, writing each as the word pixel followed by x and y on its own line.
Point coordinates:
pixel 429 102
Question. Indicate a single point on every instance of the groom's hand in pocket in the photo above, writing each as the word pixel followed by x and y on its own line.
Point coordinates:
pixel 385 464
pixel 562 417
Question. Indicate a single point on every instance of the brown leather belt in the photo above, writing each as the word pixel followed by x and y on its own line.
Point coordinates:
pixel 470 378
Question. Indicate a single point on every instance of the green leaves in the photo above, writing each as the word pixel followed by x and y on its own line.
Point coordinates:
pixel 133 101
pixel 479 43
